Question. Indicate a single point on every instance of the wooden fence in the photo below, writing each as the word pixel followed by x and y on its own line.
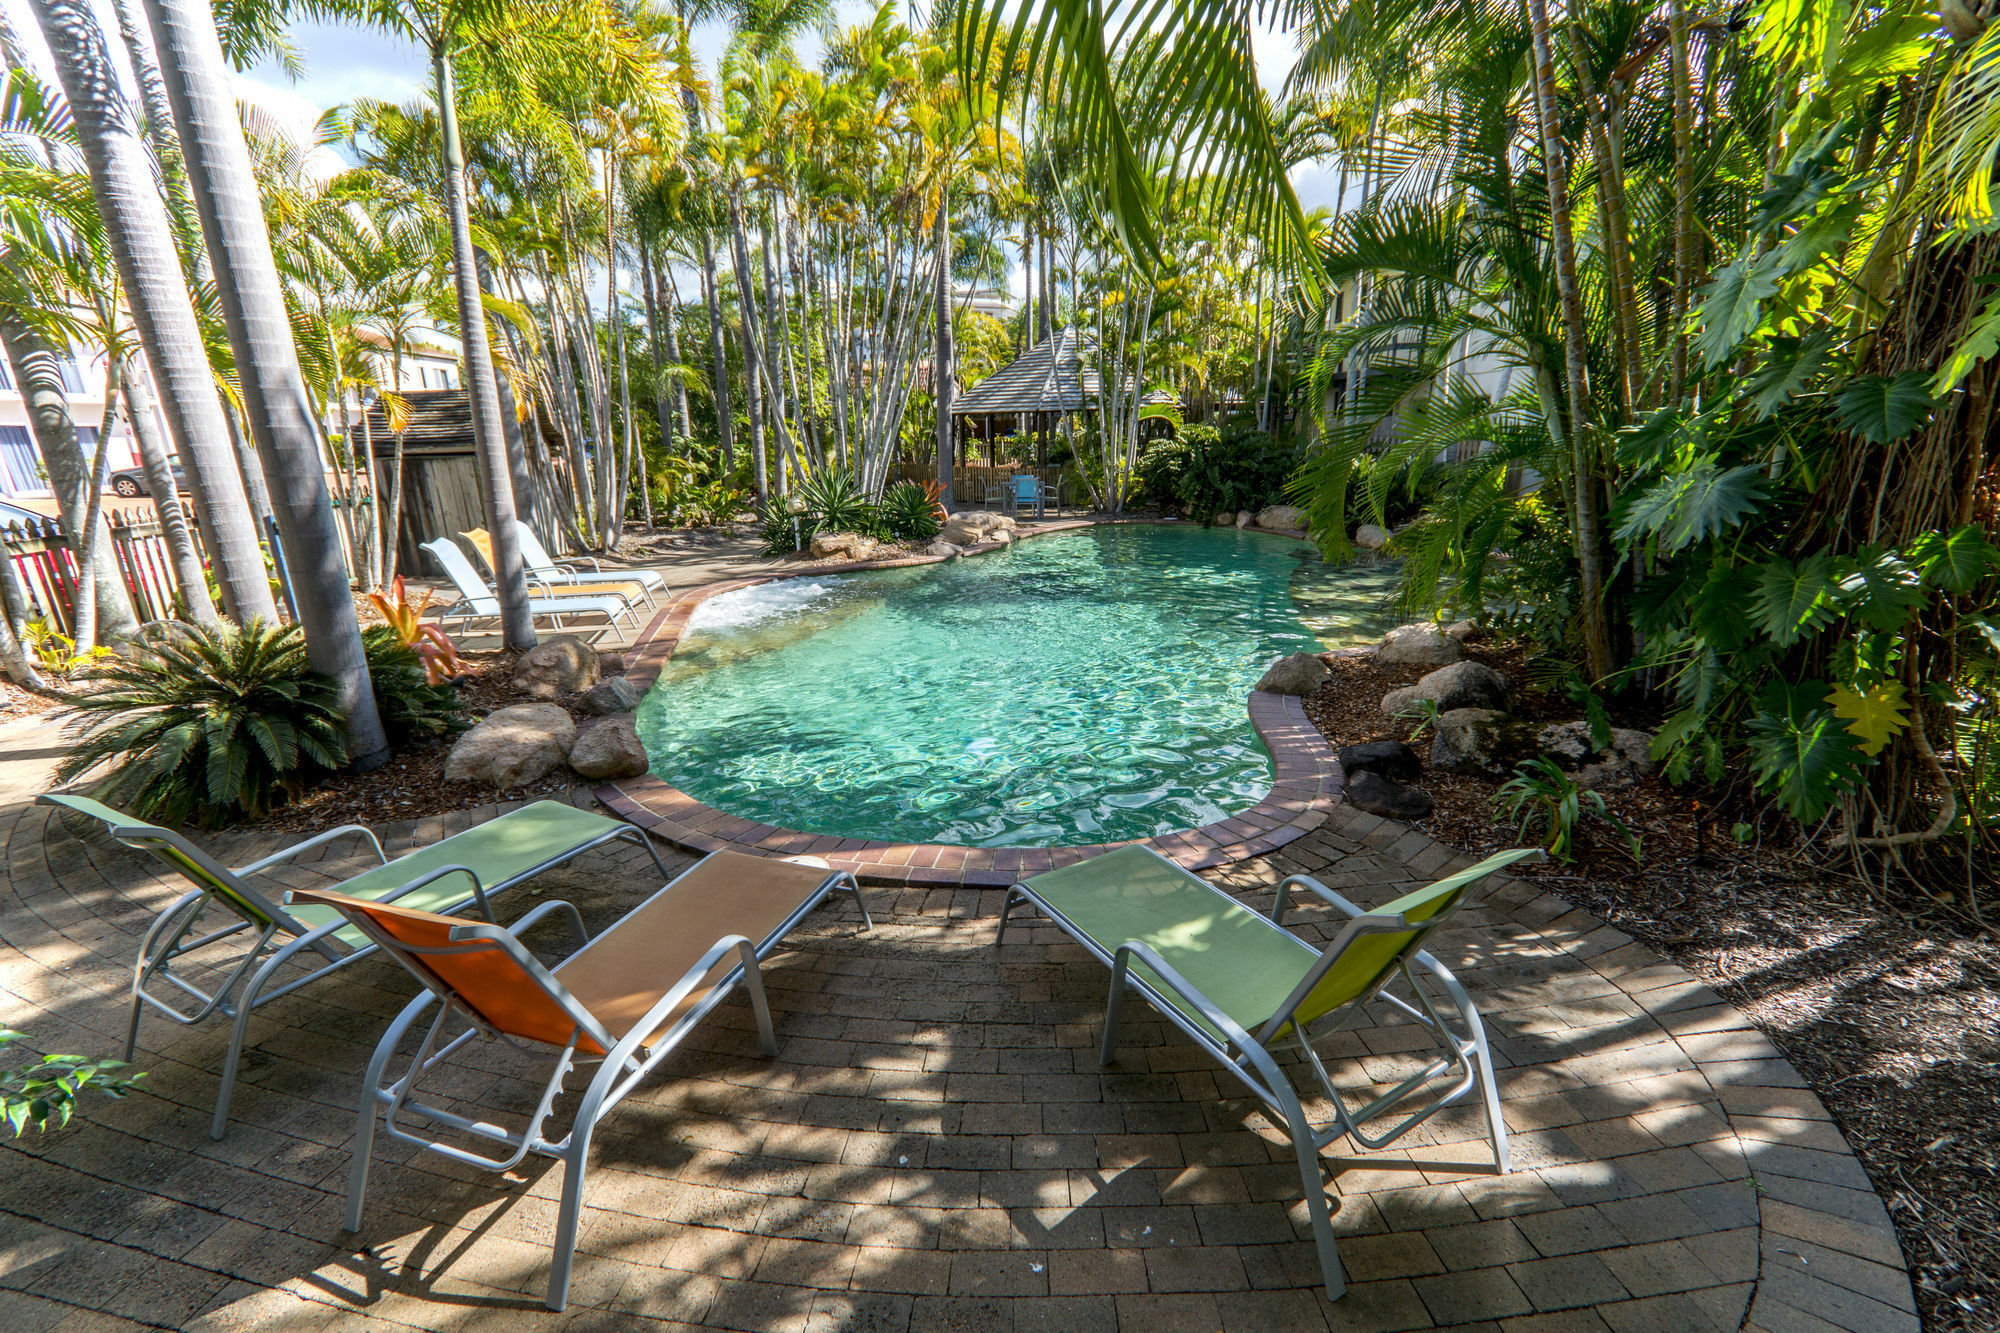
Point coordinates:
pixel 47 569
pixel 971 485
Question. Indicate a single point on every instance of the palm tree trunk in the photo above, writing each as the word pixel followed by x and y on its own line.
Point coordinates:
pixel 95 547
pixel 274 392
pixel 943 352
pixel 1596 627
pixel 135 223
pixel 510 418
pixel 752 399
pixel 718 366
pixel 1684 237
pixel 166 498
pixel 41 388
pixel 663 399
pixel 517 626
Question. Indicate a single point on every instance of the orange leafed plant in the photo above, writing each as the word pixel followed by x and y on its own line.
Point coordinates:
pixel 936 494
pixel 431 644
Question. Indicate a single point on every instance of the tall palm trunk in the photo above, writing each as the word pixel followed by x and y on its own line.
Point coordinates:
pixel 280 412
pixel 135 223
pixel 40 384
pixel 166 499
pixel 663 399
pixel 517 626
pixel 942 353
pixel 96 543
pixel 753 398
pixel 1596 627
pixel 511 433
pixel 718 364
pixel 1684 237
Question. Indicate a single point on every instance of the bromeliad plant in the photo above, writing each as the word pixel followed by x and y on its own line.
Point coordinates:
pixel 412 704
pixel 431 645
pixel 207 723
pixel 910 511
pixel 1545 802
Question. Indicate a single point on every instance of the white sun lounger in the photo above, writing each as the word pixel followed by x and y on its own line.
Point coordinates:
pixel 476 601
pixel 546 569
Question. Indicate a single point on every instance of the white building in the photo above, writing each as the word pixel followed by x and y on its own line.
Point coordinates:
pixel 21 471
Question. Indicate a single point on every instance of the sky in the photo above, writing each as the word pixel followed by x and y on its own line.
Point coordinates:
pixel 344 62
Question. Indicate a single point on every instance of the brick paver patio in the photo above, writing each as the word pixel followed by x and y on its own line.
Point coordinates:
pixel 936 1146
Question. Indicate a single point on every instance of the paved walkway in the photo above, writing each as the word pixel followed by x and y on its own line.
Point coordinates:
pixel 935 1147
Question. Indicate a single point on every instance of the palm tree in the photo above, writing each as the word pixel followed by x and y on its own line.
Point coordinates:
pixel 275 400
pixel 141 238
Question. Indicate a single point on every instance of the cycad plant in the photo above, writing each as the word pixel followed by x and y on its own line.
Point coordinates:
pixel 207 723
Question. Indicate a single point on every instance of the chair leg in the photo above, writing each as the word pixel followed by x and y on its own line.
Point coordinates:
pixel 1107 1054
pixel 132 1026
pixel 239 1030
pixel 364 1126
pixel 1316 1209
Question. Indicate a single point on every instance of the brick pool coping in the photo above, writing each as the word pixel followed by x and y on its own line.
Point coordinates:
pixel 1306 779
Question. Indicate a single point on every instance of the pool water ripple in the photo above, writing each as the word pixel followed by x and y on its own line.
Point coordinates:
pixel 1077 688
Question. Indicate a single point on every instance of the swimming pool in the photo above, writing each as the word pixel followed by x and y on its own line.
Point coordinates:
pixel 1082 687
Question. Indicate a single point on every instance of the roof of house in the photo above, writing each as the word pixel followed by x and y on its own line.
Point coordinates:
pixel 1057 374
pixel 440 422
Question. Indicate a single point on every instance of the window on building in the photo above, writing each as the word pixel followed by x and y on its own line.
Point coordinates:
pixel 6 374
pixel 72 379
pixel 20 462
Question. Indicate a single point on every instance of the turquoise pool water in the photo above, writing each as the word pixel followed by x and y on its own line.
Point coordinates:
pixel 1078 688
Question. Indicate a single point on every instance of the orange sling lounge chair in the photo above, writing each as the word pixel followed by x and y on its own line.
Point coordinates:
pixel 625 999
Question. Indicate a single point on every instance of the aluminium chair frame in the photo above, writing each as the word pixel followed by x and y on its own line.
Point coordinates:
pixel 1252 1058
pixel 561 566
pixel 624 1064
pixel 464 610
pixel 167 938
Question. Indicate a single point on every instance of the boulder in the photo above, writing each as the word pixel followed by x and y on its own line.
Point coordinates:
pixel 611 749
pixel 556 667
pixel 998 521
pixel 1370 791
pixel 1480 742
pixel 613 694
pixel 1282 518
pixel 941 548
pixel 1418 645
pixel 1392 759
pixel 1628 758
pixel 1245 519
pixel 1001 535
pixel 1465 631
pixel 1460 685
pixel 1301 674
pixel 610 664
pixel 962 530
pixel 846 545
pixel 512 747
pixel 1370 537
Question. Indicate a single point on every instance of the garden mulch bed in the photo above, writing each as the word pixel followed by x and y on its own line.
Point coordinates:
pixel 1889 1008
pixel 412 784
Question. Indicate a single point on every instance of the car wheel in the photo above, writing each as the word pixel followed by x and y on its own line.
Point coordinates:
pixel 126 487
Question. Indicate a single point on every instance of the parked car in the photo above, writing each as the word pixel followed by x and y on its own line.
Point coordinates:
pixel 12 513
pixel 131 483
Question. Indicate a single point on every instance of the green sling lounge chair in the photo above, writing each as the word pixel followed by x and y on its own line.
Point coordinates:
pixel 1240 984
pixel 465 870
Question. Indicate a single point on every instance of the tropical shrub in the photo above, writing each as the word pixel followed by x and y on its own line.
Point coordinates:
pixel 48 1089
pixel 829 500
pixel 412 704
pixel 911 512
pixel 208 723
pixel 784 531
pixel 55 652
pixel 1156 479
pixel 1233 469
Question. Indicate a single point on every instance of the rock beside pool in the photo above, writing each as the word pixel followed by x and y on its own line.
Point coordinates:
pixel 1628 758
pixel 1301 674
pixel 1481 742
pixel 613 694
pixel 609 750
pixel 556 667
pixel 1418 645
pixel 1282 518
pixel 1392 759
pixel 945 549
pixel 1245 519
pixel 512 747
pixel 1465 631
pixel 611 664
pixel 962 530
pixel 1370 791
pixel 1460 685
pixel 1001 535
pixel 847 545
pixel 1370 537
pixel 1227 518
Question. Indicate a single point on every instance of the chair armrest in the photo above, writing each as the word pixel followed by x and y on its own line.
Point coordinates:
pixel 478 889
pixel 529 918
pixel 1237 1037
pixel 345 830
pixel 569 560
pixel 1283 900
